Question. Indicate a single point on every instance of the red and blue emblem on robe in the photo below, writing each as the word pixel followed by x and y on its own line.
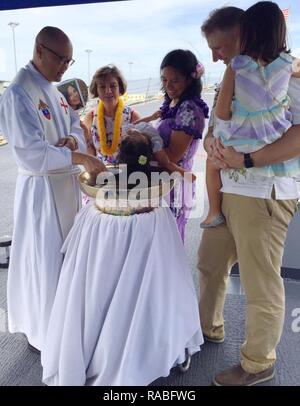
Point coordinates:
pixel 45 109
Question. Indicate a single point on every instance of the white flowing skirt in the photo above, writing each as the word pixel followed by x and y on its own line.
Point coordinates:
pixel 126 307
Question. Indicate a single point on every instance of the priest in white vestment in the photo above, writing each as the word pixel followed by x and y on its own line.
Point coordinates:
pixel 47 140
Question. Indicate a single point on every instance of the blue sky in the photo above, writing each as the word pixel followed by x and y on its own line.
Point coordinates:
pixel 135 35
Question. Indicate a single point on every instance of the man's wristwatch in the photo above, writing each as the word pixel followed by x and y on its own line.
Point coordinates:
pixel 248 162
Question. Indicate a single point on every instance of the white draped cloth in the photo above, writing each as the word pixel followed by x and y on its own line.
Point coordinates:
pixel 126 307
pixel 33 117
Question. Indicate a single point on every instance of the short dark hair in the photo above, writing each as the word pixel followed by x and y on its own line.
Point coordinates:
pixel 223 19
pixel 185 63
pixel 263 31
pixel 104 71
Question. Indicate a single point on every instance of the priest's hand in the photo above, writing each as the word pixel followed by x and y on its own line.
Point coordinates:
pixel 93 165
pixel 69 142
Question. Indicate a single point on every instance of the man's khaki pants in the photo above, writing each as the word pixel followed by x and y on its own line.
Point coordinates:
pixel 254 235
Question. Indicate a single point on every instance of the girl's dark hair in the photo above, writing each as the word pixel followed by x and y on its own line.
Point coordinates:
pixel 185 63
pixel 136 152
pixel 263 31
pixel 104 71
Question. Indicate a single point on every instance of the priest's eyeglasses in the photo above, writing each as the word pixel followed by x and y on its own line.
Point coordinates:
pixel 63 59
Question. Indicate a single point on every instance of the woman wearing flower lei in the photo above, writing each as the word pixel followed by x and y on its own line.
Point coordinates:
pixel 181 120
pixel 106 122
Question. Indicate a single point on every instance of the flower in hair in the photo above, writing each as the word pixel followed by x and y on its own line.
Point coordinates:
pixel 142 160
pixel 198 71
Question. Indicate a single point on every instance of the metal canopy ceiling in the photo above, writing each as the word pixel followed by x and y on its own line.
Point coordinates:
pixel 15 4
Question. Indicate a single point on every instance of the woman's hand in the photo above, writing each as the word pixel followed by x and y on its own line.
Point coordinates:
pixel 192 177
pixel 156 115
pixel 147 119
pixel 86 131
pixel 88 139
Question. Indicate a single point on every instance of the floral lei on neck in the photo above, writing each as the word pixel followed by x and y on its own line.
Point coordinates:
pixel 104 148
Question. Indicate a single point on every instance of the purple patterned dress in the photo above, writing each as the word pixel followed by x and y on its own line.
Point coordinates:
pixel 189 117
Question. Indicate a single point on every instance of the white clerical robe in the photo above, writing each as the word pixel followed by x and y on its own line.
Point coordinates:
pixel 33 117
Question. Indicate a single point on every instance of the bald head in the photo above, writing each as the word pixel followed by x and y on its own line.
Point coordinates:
pixel 50 36
pixel 52 53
